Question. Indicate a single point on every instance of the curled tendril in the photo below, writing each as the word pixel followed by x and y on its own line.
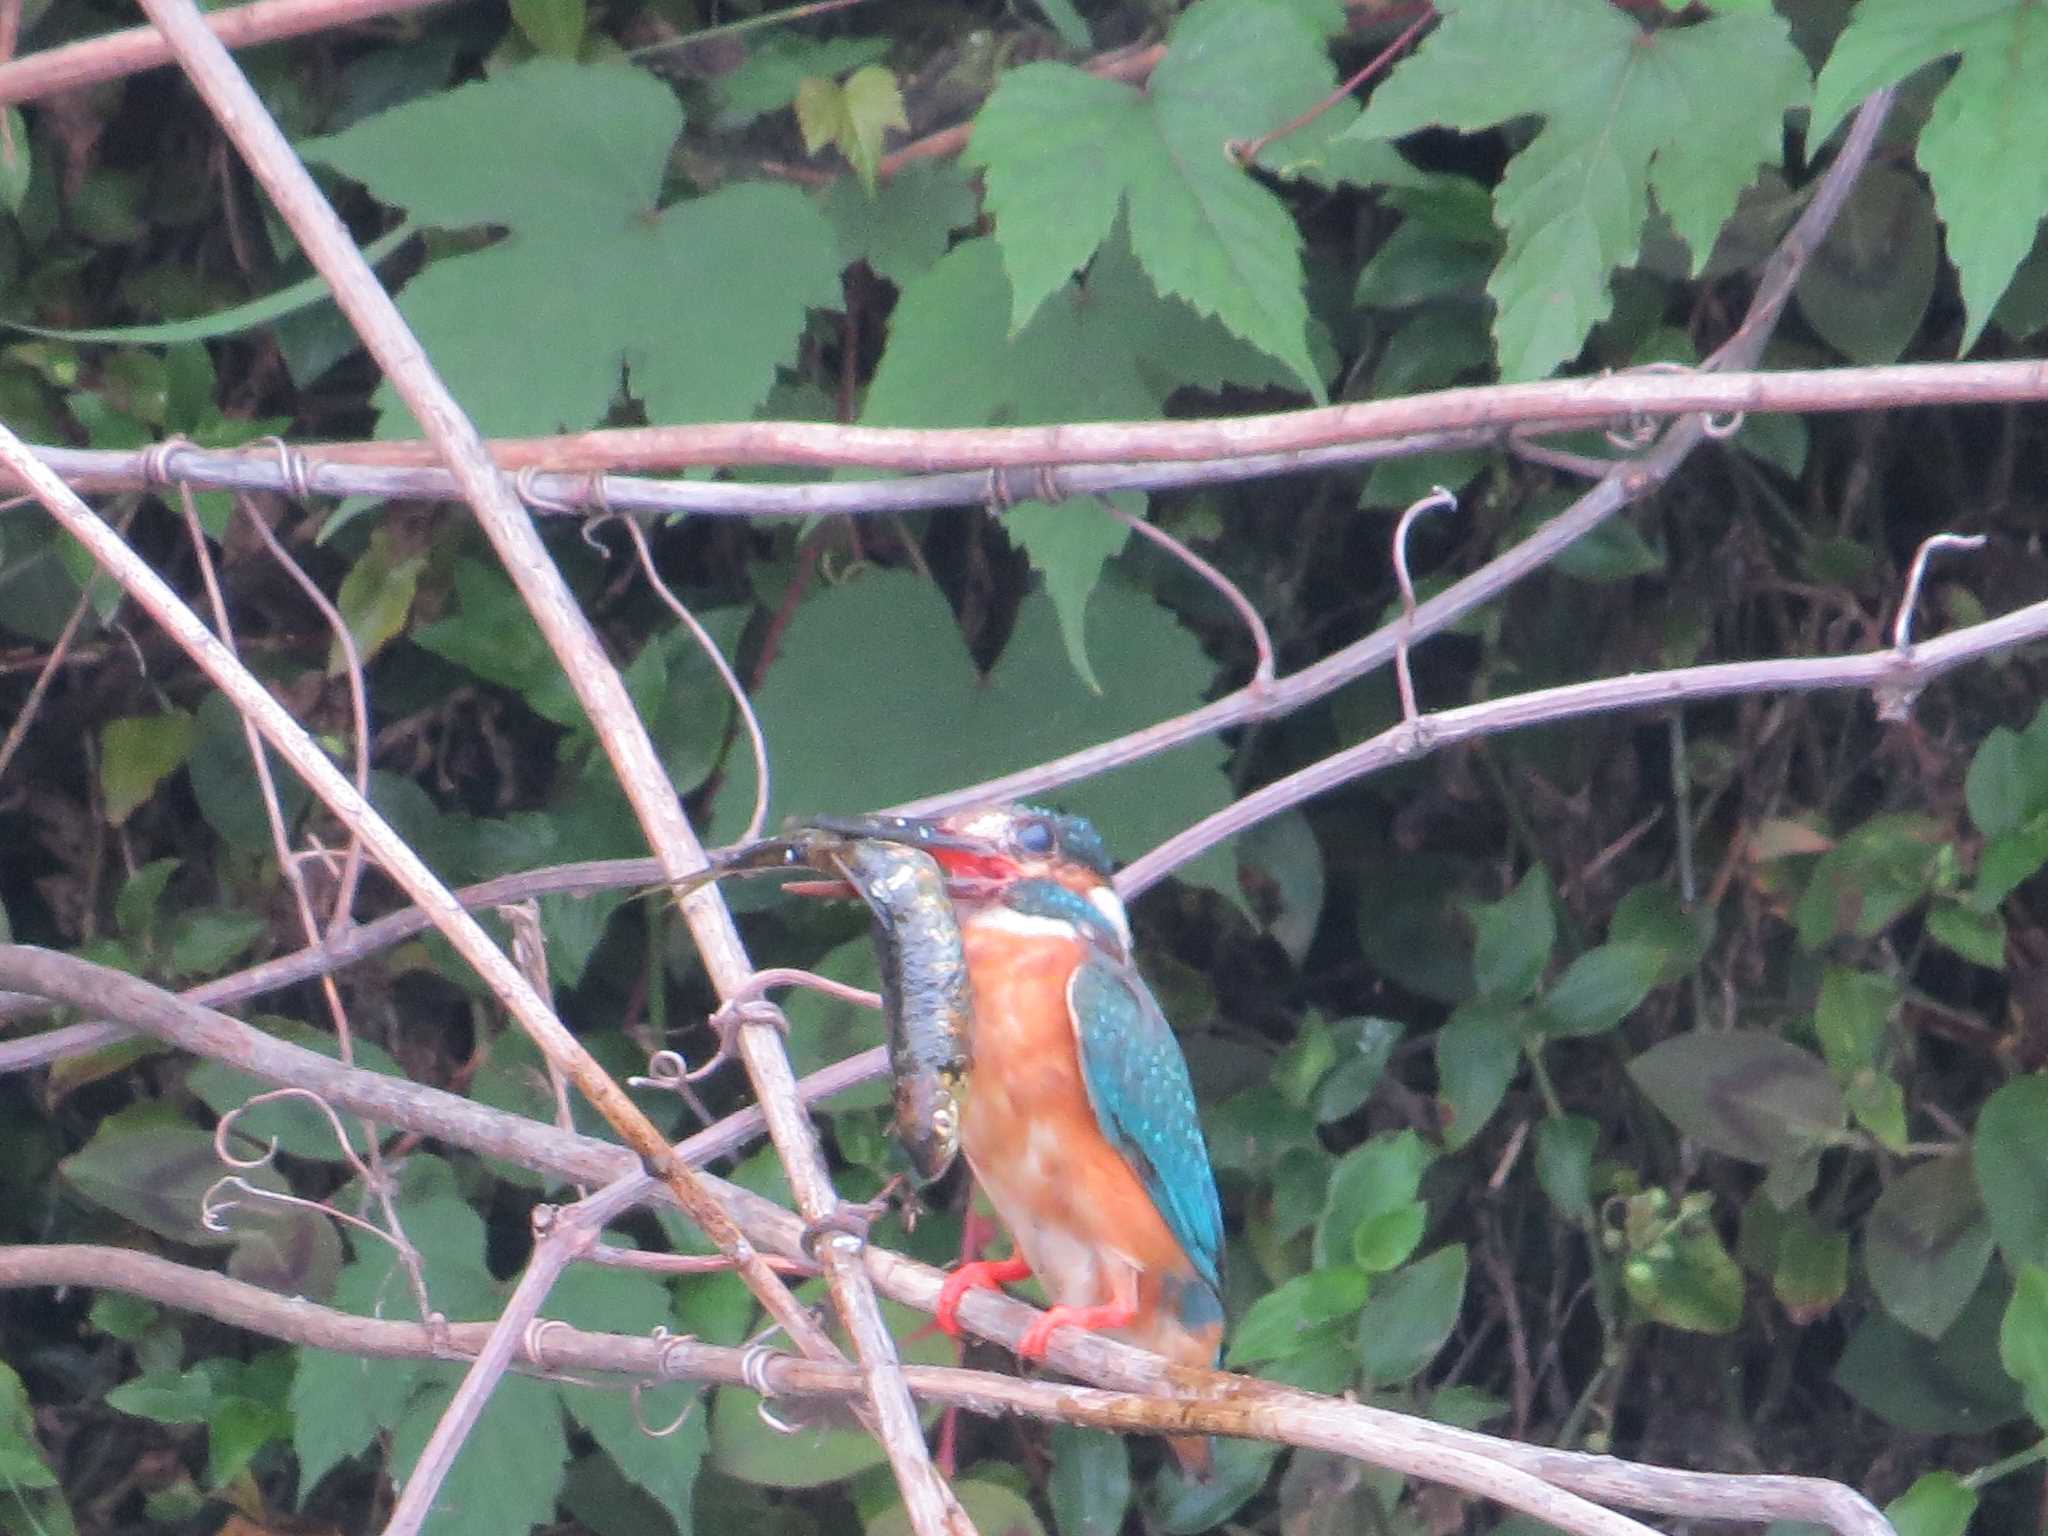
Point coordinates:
pixel 754 1363
pixel 668 1370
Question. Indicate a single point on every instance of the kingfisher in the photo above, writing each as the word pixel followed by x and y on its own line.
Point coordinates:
pixel 1078 1120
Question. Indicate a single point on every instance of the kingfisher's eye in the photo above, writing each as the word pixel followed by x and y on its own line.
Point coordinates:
pixel 1034 837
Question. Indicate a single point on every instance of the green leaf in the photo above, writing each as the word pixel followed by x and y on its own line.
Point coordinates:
pixel 1185 1506
pixel 16 166
pixel 878 662
pixel 509 1470
pixel 232 321
pixel 854 116
pixel 768 77
pixel 1978 937
pixel 1065 152
pixel 22 1464
pixel 906 224
pixel 1410 1315
pixel 1068 544
pixel 2023 1338
pixel 828 1447
pixel 1627 112
pixel 1938 1504
pixel 1868 879
pixel 1280 865
pixel 1372 1181
pixel 1743 1093
pixel 1692 1284
pixel 376 597
pixel 1811 1269
pixel 1852 1017
pixel 990 1506
pixel 1995 787
pixel 1363 1048
pixel 183 1398
pixel 1978 145
pixel 570 159
pixel 135 908
pixel 1867 288
pixel 2010 1155
pixel 1600 989
pixel 2009 862
pixel 1564 1164
pixel 552 26
pixel 1654 914
pixel 1477 1053
pixel 1090 1486
pixel 1279 1320
pixel 1515 935
pixel 139 752
pixel 1926 1243
pixel 1953 1385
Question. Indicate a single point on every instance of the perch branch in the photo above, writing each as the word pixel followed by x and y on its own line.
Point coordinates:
pixel 1299 1417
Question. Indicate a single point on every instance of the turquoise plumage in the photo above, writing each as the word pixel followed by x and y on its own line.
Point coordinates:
pixel 1138 1084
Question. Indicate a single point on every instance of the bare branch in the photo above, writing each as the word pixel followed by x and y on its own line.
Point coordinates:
pixel 1302 1418
pixel 96 59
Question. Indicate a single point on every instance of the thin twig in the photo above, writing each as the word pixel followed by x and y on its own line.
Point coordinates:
pixel 735 690
pixel 18 728
pixel 96 59
pixel 1231 593
pixel 1248 153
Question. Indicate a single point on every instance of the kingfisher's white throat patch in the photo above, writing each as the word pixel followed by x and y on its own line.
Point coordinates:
pixel 1110 905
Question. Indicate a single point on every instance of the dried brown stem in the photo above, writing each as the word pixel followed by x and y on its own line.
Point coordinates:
pixel 97 59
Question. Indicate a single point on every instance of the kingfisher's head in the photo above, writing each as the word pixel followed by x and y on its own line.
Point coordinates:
pixel 1019 856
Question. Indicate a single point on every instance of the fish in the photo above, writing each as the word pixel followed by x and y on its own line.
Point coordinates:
pixel 927 1000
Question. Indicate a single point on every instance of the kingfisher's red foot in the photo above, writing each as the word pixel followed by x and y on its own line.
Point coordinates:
pixel 982 1275
pixel 1038 1337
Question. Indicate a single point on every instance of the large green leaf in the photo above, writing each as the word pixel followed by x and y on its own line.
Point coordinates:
pixel 1925 1245
pixel 1627 111
pixel 1981 144
pixel 873 700
pixel 1065 152
pixel 1743 1093
pixel 2010 1154
pixel 698 303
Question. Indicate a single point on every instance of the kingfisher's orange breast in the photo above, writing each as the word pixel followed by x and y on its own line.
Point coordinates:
pixel 1075 1208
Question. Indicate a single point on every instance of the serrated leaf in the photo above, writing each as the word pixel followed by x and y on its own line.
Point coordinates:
pixel 1065 152
pixel 1979 143
pixel 509 1469
pixel 1925 1245
pixel 1068 545
pixel 876 664
pixel 906 223
pixel 1626 111
pixel 139 752
pixel 1743 1093
pixel 569 158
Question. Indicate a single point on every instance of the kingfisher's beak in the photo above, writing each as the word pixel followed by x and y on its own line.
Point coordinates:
pixel 915 831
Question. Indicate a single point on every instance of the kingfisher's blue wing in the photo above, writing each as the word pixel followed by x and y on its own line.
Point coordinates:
pixel 1138 1083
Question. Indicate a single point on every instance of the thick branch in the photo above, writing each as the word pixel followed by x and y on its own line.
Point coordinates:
pixel 1370 1433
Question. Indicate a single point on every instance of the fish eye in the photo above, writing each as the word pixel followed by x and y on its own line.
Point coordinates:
pixel 1035 837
